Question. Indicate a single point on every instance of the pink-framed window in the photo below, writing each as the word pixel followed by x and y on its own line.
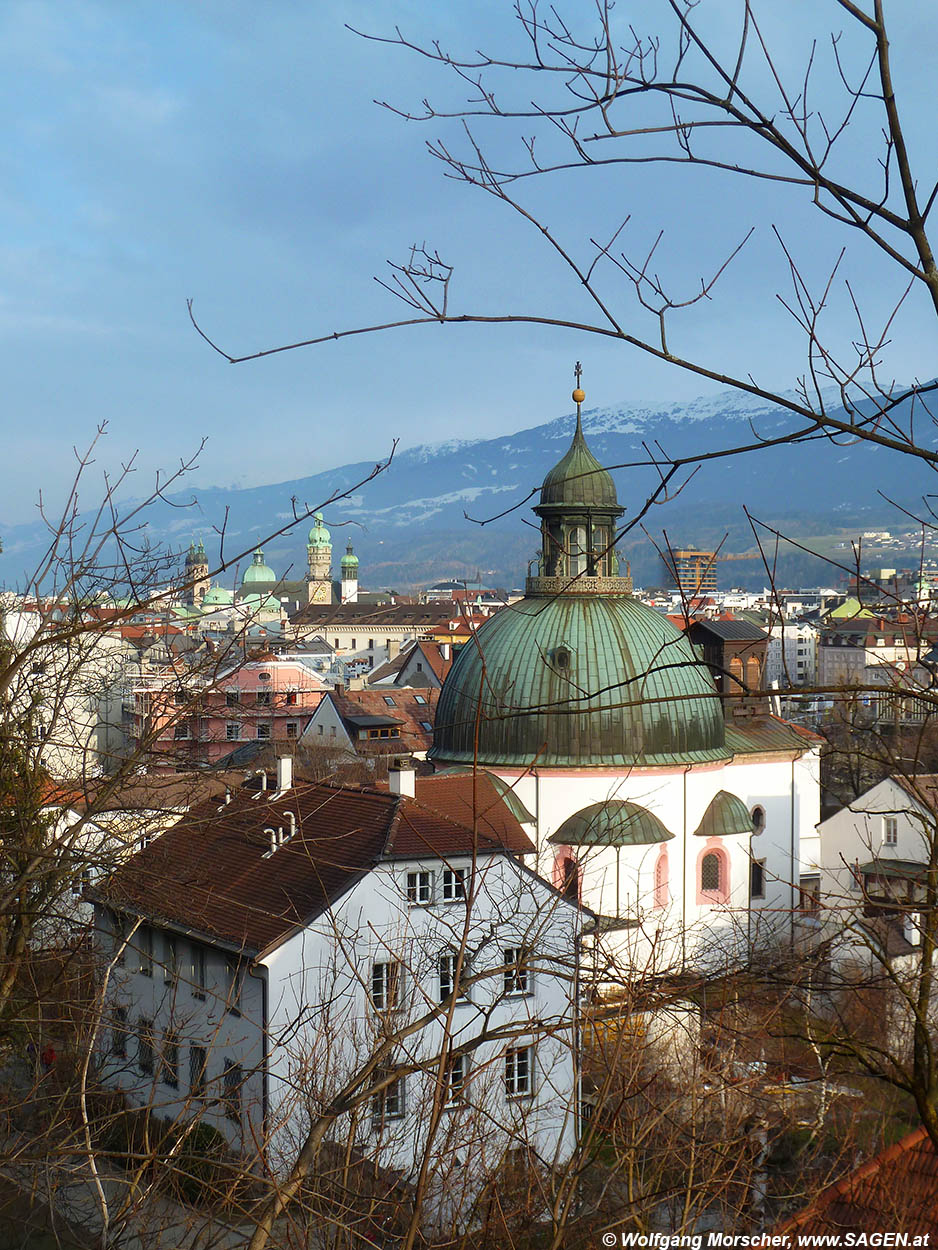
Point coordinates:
pixel 661 878
pixel 567 877
pixel 713 874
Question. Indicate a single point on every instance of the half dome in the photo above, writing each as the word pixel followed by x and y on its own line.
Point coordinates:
pixel 725 814
pixel 578 681
pixel 615 822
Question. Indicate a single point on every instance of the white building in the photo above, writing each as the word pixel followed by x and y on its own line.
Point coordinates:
pixel 290 938
pixel 791 655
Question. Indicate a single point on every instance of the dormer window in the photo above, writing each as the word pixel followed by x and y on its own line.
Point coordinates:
pixel 562 657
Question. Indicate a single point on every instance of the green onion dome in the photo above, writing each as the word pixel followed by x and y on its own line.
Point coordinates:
pixel 578 479
pixel 258 573
pixel 319 536
pixel 578 681
pixel 349 561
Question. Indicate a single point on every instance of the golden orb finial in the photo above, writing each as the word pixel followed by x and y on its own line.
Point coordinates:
pixel 579 394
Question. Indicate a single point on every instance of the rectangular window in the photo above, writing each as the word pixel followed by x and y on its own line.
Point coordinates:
pixel 371 644
pixel 235 975
pixel 389 701
pixel 232 698
pixel 263 733
pixel 145 945
pixel 145 1046
pixel 119 1033
pixel 388 1103
pixel 332 731
pixel 426 726
pixel 890 830
pixel 386 986
pixel 291 698
pixel 757 879
pixel 517 975
pixel 353 644
pixel 181 730
pixel 292 727
pixel 519 1063
pixel 169 1061
pixel 447 974
pixel 337 644
pixel 232 731
pixel 170 959
pixel 232 1081
pixel 197 1062
pixel 262 698
pixel 455 1078
pixel 419 888
pixel 197 970
pixel 454 885
pixel 418 698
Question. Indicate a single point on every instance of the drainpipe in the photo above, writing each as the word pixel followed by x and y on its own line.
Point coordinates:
pixel 260 973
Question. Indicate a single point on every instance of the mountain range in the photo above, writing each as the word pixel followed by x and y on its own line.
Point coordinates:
pixel 409 524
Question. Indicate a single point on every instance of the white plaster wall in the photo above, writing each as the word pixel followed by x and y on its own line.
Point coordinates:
pixel 621 883
pixel 856 833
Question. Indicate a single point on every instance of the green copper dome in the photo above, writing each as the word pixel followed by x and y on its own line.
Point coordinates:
pixel 615 822
pixel 579 480
pixel 578 681
pixel 217 597
pixel 350 559
pixel 258 573
pixel 726 814
pixel 319 536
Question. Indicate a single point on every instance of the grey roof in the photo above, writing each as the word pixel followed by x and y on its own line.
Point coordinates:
pixel 733 631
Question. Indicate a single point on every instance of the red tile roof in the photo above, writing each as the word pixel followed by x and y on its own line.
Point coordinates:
pixel 212 872
pixel 451 794
pixel 896 1192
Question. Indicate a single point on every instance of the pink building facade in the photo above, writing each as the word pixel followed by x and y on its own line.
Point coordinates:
pixel 264 700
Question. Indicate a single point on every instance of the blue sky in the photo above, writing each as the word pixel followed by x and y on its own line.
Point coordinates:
pixel 231 152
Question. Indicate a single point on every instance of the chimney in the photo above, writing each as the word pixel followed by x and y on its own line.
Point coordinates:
pixel 284 772
pixel 394 648
pixel 444 650
pixel 402 776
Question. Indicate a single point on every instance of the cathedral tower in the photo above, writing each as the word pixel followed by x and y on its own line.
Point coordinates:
pixel 319 560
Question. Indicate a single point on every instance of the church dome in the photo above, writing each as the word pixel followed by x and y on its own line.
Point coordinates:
pixel 578 479
pixel 319 536
pixel 258 573
pixel 217 597
pixel 578 681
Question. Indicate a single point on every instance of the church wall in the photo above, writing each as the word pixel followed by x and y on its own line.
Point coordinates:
pixel 622 882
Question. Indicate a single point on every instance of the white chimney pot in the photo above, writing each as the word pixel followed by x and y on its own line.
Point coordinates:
pixel 284 772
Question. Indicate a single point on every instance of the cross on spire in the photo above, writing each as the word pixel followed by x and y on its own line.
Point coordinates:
pixel 578 373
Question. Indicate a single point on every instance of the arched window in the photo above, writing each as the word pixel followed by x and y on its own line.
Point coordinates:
pixel 753 673
pixel 661 878
pixel 576 548
pixel 710 872
pixel 758 819
pixel 736 673
pixel 713 875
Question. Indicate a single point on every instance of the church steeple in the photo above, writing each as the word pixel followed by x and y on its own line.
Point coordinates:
pixel 579 508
